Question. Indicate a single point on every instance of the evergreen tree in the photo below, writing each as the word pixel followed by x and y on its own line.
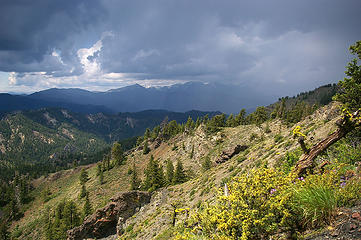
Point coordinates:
pixel 146 149
pixel 83 178
pixel 71 215
pixel 117 154
pixel 190 124
pixel 240 118
pixel 99 169
pixel 155 132
pixel 154 176
pixel 139 141
pixel 179 175
pixel 134 183
pixel 87 209
pixel 4 231
pixel 231 122
pixel 101 178
pixel 169 172
pixel 260 115
pixel 147 134
pixel 350 86
pixel 198 122
pixel 205 119
pixel 13 210
pixel 83 191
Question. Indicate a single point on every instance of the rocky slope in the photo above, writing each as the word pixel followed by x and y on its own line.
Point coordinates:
pixel 231 152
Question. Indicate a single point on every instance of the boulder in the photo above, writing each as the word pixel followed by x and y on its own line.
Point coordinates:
pixel 229 153
pixel 109 220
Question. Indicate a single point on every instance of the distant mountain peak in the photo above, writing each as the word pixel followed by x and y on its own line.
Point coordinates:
pixel 126 88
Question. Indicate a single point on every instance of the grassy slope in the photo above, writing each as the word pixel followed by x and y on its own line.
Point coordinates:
pixel 153 220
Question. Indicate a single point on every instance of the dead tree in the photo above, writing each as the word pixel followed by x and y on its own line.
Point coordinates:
pixel 344 125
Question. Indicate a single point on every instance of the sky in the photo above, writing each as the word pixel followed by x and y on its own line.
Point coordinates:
pixel 281 47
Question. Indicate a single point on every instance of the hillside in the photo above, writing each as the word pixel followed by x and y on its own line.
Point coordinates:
pixel 270 144
pixel 111 127
pixel 51 138
pixel 29 147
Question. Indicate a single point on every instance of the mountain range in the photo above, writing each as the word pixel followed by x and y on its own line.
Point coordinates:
pixel 135 98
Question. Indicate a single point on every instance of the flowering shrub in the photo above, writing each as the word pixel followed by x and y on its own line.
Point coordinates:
pixel 265 201
pixel 258 205
pixel 297 132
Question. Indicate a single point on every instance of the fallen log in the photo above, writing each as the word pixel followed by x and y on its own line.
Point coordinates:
pixel 345 125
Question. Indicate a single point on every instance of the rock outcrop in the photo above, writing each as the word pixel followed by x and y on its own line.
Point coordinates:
pixel 229 153
pixel 109 220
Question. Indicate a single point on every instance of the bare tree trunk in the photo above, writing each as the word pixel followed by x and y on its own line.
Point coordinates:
pixel 345 125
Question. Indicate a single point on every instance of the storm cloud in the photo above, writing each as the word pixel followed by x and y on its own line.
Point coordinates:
pixel 280 47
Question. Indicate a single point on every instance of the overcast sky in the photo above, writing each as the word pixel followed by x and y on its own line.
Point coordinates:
pixel 281 47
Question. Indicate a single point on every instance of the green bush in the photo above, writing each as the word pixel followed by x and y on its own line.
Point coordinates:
pixel 316 204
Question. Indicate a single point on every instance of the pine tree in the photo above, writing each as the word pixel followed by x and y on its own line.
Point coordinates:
pixel 134 183
pixel 169 172
pixel 71 215
pixel 179 175
pixel 99 169
pixel 147 134
pixel 83 178
pixel 231 121
pixel 240 118
pixel 87 209
pixel 101 178
pixel 198 122
pixel 190 124
pixel 14 210
pixel 4 231
pixel 83 191
pixel 350 86
pixel 154 176
pixel 205 119
pixel 117 154
pixel 146 149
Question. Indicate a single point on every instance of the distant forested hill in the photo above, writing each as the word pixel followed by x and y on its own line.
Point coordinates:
pixel 48 139
pixel 29 147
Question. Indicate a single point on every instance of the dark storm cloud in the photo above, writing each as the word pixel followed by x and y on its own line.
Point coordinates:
pixel 282 46
pixel 31 30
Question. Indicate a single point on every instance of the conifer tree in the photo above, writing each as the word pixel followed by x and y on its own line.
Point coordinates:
pixel 198 122
pixel 179 175
pixel 99 169
pixel 134 183
pixel 146 149
pixel 147 134
pixel 83 191
pixel 71 215
pixel 83 178
pixel 154 176
pixel 231 121
pixel 101 178
pixel 189 124
pixel 4 231
pixel 240 118
pixel 14 210
pixel 87 209
pixel 205 119
pixel 350 86
pixel 155 132
pixel 169 172
pixel 117 154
